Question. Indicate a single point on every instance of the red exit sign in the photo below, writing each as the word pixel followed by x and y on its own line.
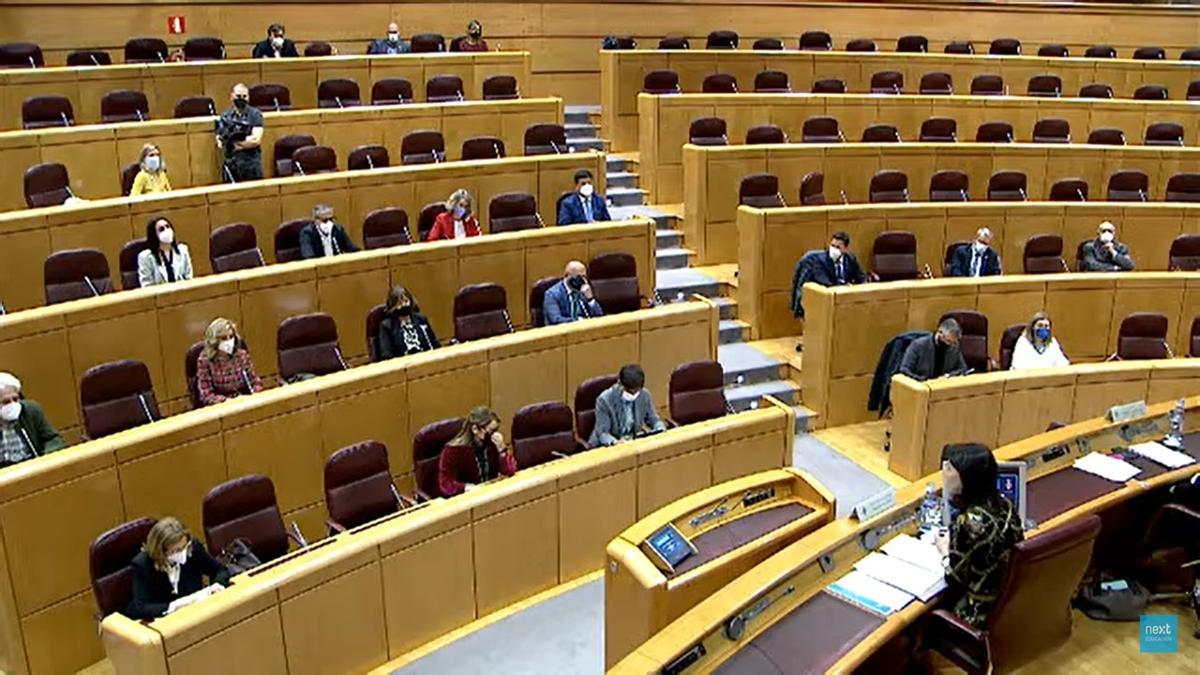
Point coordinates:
pixel 176 25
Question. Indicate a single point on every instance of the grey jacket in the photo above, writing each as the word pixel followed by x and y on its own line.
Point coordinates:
pixel 918 362
pixel 1097 259
pixel 150 273
pixel 610 409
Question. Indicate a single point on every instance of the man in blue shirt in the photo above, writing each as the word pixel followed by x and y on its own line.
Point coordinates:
pixel 570 299
pixel 584 205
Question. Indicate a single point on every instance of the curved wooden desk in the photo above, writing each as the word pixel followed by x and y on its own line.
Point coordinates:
pixel 664 121
pixel 96 155
pixel 366 597
pixel 712 177
pixel 839 646
pixel 28 237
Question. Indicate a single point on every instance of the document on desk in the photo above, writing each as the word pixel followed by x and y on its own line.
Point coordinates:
pixel 859 589
pixel 1109 468
pixel 908 577
pixel 912 550
pixel 1161 454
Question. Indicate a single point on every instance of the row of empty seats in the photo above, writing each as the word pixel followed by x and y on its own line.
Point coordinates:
pixel 126 105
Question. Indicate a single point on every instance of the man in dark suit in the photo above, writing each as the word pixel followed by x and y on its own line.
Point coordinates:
pixel 977 260
pixel 323 237
pixel 276 46
pixel 1105 253
pixel 935 355
pixel 584 205
pixel 835 266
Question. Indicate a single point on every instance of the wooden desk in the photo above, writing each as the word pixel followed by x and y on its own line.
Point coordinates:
pixel 800 566
pixel 28 237
pixel 664 122
pixel 95 155
pixel 371 595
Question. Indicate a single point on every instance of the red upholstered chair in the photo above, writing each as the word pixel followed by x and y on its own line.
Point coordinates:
pixel 40 112
pixel 109 558
pixel 367 157
pixel 912 44
pixel 1044 255
pixel 1194 349
pixel 887 82
pixel 949 186
pixel 314 159
pixel 816 40
pixel 861 45
pixel 994 132
pixel 501 88
pixel 674 43
pixel 888 186
pixel 127 263
pixel 358 486
pixel 951 251
pixel 936 84
pixel 1054 51
pixel 194 106
pixel 542 432
pixel 829 85
pixel 1185 253
pixel 545 139
pixel 974 341
pixel 1151 92
pixel 146 50
pixel 245 508
pixel 1106 136
pixel 1128 185
pixel 959 47
pixel 1032 614
pixel 765 133
pixel 1005 47
pixel 939 130
pixel 1183 187
pixel 428 43
pixel 338 93
pixel 719 83
pixel 1143 335
pixel 128 176
pixel 116 396
pixel 880 133
pixel 707 131
pixel 482 147
pixel 987 85
pixel 661 82
pixel 481 311
pixel 760 190
pixel 427 446
pixel 271 96
pixel 425 218
pixel 204 49
pixel 513 212
pixel 74 274
pixel 1096 90
pixel 1100 52
pixel 614 281
pixel 1045 85
pixel 191 360
pixel 767 44
pixel 894 256
pixel 444 88
pixel 285 147
pixel 697 392
pixel 124 105
pixel 1193 90
pixel 1190 54
pixel 391 91
pixel 1150 54
pixel 424 146
pixel 537 295
pixel 1164 133
pixel 821 130
pixel 1069 190
pixel 386 227
pixel 315 49
pixel 1008 343
pixel 812 189
pixel 585 404
pixel 21 55
pixel 89 57
pixel 772 82
pixel 287 240
pixel 1007 186
pixel 1052 130
pixel 308 344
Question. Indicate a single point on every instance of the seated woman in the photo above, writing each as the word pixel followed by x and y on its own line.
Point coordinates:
pixel 476 455
pixel 1037 348
pixel 152 174
pixel 982 533
pixel 457 221
pixel 169 572
pixel 164 260
pixel 224 369
pixel 404 329
pixel 471 42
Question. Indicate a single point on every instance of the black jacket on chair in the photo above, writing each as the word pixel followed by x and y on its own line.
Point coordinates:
pixel 310 241
pixel 960 264
pixel 152 590
pixel 880 396
pixel 818 267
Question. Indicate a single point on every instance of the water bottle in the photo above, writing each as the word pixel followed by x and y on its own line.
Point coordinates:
pixel 929 517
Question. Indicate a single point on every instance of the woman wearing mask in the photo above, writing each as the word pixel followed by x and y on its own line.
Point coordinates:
pixel 404 330
pixel 224 369
pixel 152 173
pixel 476 455
pixel 164 260
pixel 169 571
pixel 473 41
pixel 458 220
pixel 1037 347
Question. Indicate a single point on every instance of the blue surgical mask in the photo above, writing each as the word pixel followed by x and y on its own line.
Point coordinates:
pixel 1042 334
pixel 459 212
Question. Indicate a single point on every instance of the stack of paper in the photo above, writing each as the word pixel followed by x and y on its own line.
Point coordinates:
pixel 1157 452
pixel 1109 468
pixel 912 550
pixel 859 589
pixel 908 577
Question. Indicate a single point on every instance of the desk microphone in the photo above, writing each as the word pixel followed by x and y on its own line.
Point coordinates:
pixel 29 442
pixel 91 286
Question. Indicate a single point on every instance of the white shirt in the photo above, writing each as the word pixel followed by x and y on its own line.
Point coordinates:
pixel 326 242
pixel 1025 357
pixel 460 230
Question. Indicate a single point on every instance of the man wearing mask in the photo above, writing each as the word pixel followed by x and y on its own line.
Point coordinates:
pixel 473 41
pixel 239 134
pixel 625 410
pixel 24 431
pixel 584 206
pixel 570 299
pixel 935 355
pixel 323 237
pixel 392 44
pixel 977 260
pixel 835 266
pixel 1105 253
pixel 276 46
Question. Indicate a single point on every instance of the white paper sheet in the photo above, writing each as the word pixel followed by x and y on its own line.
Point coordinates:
pixel 912 550
pixel 909 578
pixel 1157 452
pixel 1109 468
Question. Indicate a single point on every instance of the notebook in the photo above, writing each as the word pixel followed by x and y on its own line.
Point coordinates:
pixel 859 589
pixel 1161 454
pixel 1109 468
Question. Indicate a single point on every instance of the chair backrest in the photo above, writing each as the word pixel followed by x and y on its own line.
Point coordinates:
pixel 1054 51
pixel 760 190
pixel 620 42
pixel 1069 190
pixel 1032 615
pixel 894 256
pixel 994 132
pixel 1045 85
pixel 483 147
pixel 1183 187
pixel 939 130
pixel 1151 92
pixel 951 251
pixel 987 85
pixel 245 508
pixel 40 112
pixel 318 49
pixel 109 558
pixel 358 484
pixel 271 96
pixel 772 82
pixel 386 227
pixel 366 157
pixel 912 44
pixel 425 43
pixel 1007 186
pixel 338 93
pixel 949 186
pixel 203 49
pixel 768 44
pixel 959 47
pixel 1005 47
pixel 191 361
pixel 285 148
pixel 443 88
pixel 674 43
pixel 585 403
pixel 374 318
pixel 1096 90
pixel 89 57
pixel 861 45
pixel 697 392
pixel 936 84
pixel 1150 53
pixel 1008 343
pixel 124 105
pixel 765 133
pixel 512 212
pixel 721 39
pixel 1100 52
pixel 888 186
pixel 707 131
pixel 887 82
pixel 1185 253
pixel 128 176
pixel 545 139
pixel 21 55
pixel 1143 335
pixel 481 311
pixel 1190 54
pixel 1193 90
pixel 287 240
pixel 74 274
pixel 1164 133
pixel 537 296
pixel 661 82
pixel 1106 136
pixel 974 340
pixel 308 343
pixel 194 106
pixel 1044 254
pixel 500 88
pixel 391 91
pixel 427 447
pixel 880 133
pixel 719 83
pixel 812 189
pixel 820 130
pixel 1194 344
pixel 116 396
pixel 314 159
pixel 614 281
pixel 541 431
pixel 816 40
pixel 127 263
pixel 1052 130
pixel 426 217
pixel 146 50
pixel 424 146
pixel 829 85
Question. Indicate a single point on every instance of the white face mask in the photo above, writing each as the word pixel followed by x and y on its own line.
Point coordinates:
pixel 629 397
pixel 980 247
pixel 167 236
pixel 153 163
pixel 1107 237
pixel 277 42
pixel 393 37
pixel 9 412
pixel 587 190
pixel 179 557
pixel 835 253
pixel 326 226
pixel 227 346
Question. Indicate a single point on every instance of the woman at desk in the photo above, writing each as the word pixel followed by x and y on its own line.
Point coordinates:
pixel 982 534
pixel 1037 347
pixel 169 572
pixel 476 455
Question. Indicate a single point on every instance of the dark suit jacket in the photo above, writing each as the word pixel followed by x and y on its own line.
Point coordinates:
pixel 1096 258
pixel 960 264
pixel 556 305
pixel 152 590
pixel 391 337
pixel 919 360
pixel 264 50
pixel 570 211
pixel 817 267
pixel 310 241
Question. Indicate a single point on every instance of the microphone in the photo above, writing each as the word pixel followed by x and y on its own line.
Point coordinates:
pixel 2 310
pixel 228 173
pixel 338 353
pixel 496 148
pixel 895 88
pixel 845 200
pixel 396 495
pixel 145 408
pixel 1079 192
pixel 299 168
pixel 1024 197
pixel 1006 90
pixel 95 61
pixel 138 112
pixel 554 145
pixel 338 101
pixel 436 158
pixel 212 109
pixel 246 381
pixel 32 63
pixel 1142 194
pixel 370 162
pixel 460 96
pixel 92 287
pixel 1009 137
pixel 298 535
pixel 161 57
pixel 841 138
pixel 29 442
pixel 276 99
pixel 70 193
pixel 66 120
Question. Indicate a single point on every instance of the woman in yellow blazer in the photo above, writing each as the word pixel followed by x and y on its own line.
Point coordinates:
pixel 152 177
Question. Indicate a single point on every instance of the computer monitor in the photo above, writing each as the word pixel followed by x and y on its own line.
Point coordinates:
pixel 1010 481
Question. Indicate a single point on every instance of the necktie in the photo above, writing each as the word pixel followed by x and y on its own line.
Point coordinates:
pixel 587 209
pixel 841 271
pixel 975 260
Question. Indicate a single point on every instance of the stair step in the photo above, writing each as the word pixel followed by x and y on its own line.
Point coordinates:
pixel 672 258
pixel 661 220
pixel 671 284
pixel 748 397
pixel 576 117
pixel 584 130
pixel 612 164
pixel 626 179
pixel 726 308
pixel 730 331
pixel 586 143
pixel 805 418
pixel 668 238
pixel 588 108
pixel 745 365
pixel 624 196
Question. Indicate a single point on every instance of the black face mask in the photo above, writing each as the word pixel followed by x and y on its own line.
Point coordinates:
pixel 404 310
pixel 475 35
pixel 575 282
pixel 240 103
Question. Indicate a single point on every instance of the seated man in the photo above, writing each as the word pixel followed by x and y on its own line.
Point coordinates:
pixel 977 260
pixel 24 431
pixel 392 44
pixel 1105 253
pixel 323 237
pixel 570 299
pixel 836 266
pixel 625 410
pixel 585 206
pixel 935 355
pixel 276 46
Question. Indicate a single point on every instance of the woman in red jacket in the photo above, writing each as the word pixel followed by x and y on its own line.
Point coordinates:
pixel 476 455
pixel 458 220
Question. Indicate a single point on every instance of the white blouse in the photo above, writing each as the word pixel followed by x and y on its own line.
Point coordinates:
pixel 1025 357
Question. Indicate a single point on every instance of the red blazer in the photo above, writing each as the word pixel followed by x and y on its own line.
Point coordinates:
pixel 457 466
pixel 443 227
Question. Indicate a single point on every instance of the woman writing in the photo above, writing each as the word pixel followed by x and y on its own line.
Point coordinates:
pixel 224 369
pixel 457 221
pixel 404 330
pixel 152 172
pixel 476 455
pixel 1037 348
pixel 164 260
pixel 169 572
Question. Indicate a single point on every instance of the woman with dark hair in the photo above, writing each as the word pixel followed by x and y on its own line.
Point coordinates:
pixel 476 455
pixel 982 533
pixel 404 329
pixel 164 260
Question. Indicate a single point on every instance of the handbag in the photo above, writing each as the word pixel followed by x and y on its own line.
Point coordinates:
pixel 237 557
pixel 1118 600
